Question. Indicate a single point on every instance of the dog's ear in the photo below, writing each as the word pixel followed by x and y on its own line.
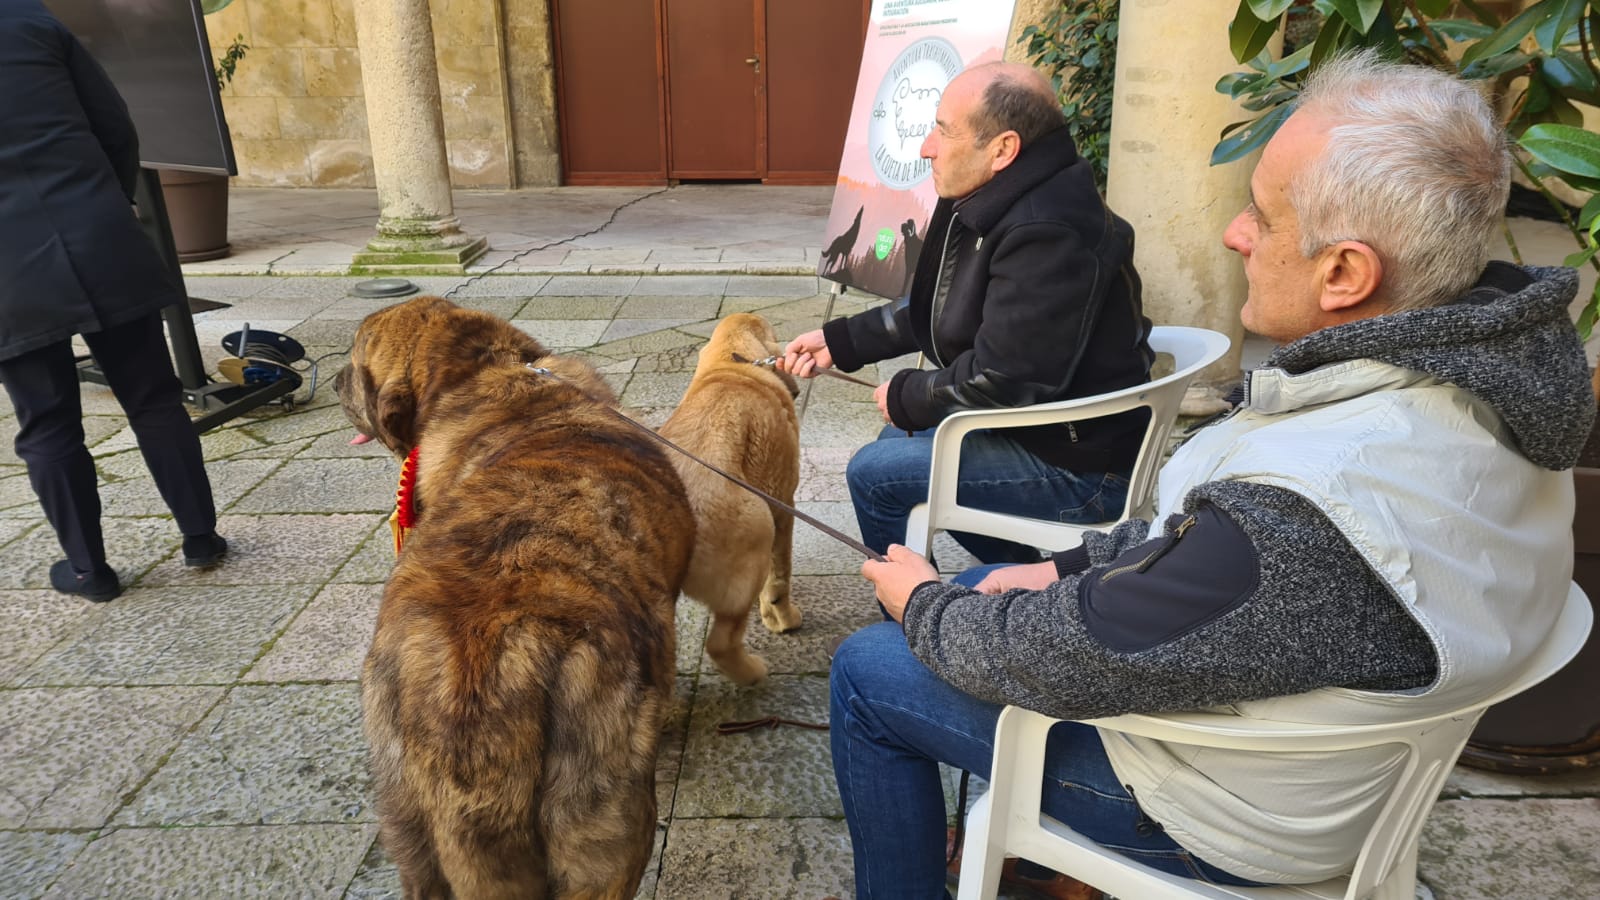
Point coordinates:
pixel 396 417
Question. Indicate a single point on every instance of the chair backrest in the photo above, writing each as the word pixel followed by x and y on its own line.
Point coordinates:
pixel 1386 864
pixel 1192 349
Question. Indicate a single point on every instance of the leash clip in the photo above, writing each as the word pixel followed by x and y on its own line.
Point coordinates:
pixel 537 370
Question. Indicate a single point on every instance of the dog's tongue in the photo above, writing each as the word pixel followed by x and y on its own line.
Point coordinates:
pixel 360 439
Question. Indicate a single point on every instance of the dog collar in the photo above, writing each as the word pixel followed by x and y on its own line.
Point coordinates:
pixel 404 516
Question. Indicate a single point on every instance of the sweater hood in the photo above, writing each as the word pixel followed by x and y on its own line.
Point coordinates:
pixel 1508 341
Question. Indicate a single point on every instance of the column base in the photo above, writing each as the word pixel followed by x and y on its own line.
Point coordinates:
pixel 388 256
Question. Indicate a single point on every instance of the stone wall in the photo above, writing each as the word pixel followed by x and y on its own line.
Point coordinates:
pixel 298 116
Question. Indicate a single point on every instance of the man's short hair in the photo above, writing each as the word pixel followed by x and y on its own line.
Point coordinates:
pixel 1013 104
pixel 1416 167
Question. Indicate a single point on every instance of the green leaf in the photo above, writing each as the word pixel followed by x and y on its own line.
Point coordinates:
pixel 1268 10
pixel 1580 257
pixel 1359 13
pixel 211 6
pixel 1508 36
pixel 1567 149
pixel 1557 31
pixel 1566 72
pixel 1565 112
pixel 1587 317
pixel 1461 29
pixel 1590 210
pixel 1496 66
pixel 1248 35
pixel 1329 41
pixel 1433 8
pixel 1243 140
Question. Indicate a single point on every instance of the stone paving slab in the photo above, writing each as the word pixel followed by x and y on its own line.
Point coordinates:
pixel 274 549
pixel 72 754
pixel 240 863
pixel 266 755
pixel 30 860
pixel 1531 849
pixel 33 622
pixel 757 859
pixel 133 546
pixel 767 772
pixel 188 635
pixel 324 485
pixel 327 641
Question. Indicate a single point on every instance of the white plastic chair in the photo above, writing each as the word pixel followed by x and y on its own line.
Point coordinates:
pixel 1192 349
pixel 1006 821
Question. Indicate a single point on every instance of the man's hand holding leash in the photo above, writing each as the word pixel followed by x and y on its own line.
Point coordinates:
pixel 897 576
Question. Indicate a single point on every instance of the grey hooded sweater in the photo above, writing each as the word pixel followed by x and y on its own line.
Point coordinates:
pixel 1265 598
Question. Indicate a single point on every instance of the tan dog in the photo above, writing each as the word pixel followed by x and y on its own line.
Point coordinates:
pixel 523 659
pixel 741 419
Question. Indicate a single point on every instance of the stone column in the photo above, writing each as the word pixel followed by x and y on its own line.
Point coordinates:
pixel 1166 118
pixel 418 232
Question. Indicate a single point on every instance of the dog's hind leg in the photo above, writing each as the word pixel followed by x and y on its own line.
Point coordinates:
pixel 778 610
pixel 730 614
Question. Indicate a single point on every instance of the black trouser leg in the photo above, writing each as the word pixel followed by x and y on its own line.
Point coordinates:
pixel 138 367
pixel 43 385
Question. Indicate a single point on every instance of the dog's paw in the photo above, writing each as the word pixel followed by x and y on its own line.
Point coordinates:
pixel 780 617
pixel 746 669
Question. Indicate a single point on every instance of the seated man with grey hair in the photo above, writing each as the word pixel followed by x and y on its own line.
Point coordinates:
pixel 1380 531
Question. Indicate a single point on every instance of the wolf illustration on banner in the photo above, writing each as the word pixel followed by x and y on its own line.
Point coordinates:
pixel 884 197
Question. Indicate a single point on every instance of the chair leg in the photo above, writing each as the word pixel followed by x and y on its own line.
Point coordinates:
pixel 1402 882
pixel 981 858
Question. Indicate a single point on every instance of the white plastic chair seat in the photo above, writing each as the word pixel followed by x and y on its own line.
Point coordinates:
pixel 1007 822
pixel 1192 349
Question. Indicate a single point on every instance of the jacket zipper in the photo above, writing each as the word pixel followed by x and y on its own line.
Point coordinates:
pixel 1144 564
pixel 938 297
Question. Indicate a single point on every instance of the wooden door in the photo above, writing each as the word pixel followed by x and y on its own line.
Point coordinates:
pixel 610 104
pixel 813 56
pixel 716 111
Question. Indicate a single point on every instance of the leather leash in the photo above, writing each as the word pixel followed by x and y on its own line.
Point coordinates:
pixel 771 362
pixel 772 501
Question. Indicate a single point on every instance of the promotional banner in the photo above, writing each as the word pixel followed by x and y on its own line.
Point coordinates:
pixel 885 196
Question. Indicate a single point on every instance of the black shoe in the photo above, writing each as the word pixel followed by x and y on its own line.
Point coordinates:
pixel 97 586
pixel 204 549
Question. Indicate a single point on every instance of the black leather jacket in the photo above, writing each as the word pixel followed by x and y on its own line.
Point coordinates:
pixel 1025 293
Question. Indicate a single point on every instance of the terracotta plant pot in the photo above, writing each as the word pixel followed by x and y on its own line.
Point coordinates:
pixel 197 206
pixel 1555 727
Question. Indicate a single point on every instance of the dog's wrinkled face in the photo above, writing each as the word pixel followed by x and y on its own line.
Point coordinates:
pixel 751 337
pixel 406 356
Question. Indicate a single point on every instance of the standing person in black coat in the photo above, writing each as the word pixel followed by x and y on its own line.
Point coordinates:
pixel 73 260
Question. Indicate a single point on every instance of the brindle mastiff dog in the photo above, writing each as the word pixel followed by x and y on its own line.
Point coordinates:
pixel 523 659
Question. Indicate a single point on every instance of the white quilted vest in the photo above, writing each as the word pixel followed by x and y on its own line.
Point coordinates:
pixel 1424 481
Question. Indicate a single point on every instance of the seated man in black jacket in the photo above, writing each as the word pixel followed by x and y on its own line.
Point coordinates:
pixel 1025 293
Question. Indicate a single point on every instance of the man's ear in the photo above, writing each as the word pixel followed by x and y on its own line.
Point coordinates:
pixel 1351 274
pixel 1004 149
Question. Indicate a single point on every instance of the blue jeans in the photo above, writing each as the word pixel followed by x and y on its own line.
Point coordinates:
pixel 890 476
pixel 893 721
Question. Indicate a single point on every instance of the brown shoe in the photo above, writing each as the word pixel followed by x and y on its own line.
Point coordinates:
pixel 1056 887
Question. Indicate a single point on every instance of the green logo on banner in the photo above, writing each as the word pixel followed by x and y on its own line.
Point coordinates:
pixel 885 243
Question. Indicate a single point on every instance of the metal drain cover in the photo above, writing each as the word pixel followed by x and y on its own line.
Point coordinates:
pixel 384 287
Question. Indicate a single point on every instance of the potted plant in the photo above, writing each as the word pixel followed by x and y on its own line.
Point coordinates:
pixel 197 202
pixel 1544 61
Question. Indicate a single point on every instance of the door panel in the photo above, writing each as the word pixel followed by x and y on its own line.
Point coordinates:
pixel 714 95
pixel 611 109
pixel 813 54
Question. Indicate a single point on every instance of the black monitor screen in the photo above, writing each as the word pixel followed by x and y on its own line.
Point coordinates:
pixel 156 53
